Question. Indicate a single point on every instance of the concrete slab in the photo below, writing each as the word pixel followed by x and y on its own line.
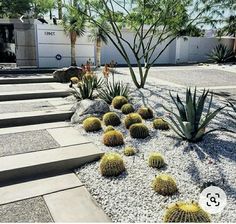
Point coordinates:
pixel 74 205
pixel 46 162
pixel 30 189
pixel 67 136
pixel 25 87
pixel 22 80
pixel 30 210
pixel 24 142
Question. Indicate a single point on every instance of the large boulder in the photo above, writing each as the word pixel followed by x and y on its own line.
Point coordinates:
pixel 87 108
pixel 65 74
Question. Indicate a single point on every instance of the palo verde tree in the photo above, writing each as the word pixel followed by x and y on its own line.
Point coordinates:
pixel 155 24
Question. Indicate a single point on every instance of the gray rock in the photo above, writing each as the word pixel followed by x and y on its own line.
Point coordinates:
pixel 65 74
pixel 86 108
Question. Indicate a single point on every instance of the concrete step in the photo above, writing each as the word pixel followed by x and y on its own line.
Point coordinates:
pixel 34 117
pixel 21 80
pixel 16 168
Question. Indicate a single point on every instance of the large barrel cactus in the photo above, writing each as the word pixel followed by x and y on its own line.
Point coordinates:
pixel 92 124
pixel 113 138
pixel 111 118
pixel 119 101
pixel 156 160
pixel 145 112
pixel 138 131
pixel 132 118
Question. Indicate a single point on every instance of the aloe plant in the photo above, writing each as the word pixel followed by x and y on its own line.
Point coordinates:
pixel 191 122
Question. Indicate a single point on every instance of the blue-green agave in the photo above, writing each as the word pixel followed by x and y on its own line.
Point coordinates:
pixel 191 122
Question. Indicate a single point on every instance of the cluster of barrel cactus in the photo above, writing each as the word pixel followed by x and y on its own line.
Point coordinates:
pixel 113 138
pixel 138 130
pixel 92 124
pixel 111 118
pixel 112 164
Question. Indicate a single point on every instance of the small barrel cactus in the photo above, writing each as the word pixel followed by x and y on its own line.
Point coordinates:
pixel 111 118
pixel 112 164
pixel 186 212
pixel 127 108
pixel 132 118
pixel 113 138
pixel 145 112
pixel 138 130
pixel 156 160
pixel 119 101
pixel 164 184
pixel 92 124
pixel 129 151
pixel 109 128
pixel 161 124
pixel 74 80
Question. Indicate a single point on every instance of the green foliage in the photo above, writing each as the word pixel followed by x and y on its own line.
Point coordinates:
pixel 111 118
pixel 156 160
pixel 221 54
pixel 119 101
pixel 230 26
pixel 111 90
pixel 164 184
pixel 138 130
pixel 113 138
pixel 109 128
pixel 42 6
pixel 92 124
pixel 86 88
pixel 132 118
pixel 145 112
pixel 112 164
pixel 161 124
pixel 192 121
pixel 129 151
pixel 186 212
pixel 127 108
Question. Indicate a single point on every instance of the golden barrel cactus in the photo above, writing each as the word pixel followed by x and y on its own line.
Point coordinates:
pixel 111 118
pixel 156 160
pixel 132 118
pixel 113 138
pixel 119 101
pixel 92 124
pixel 161 124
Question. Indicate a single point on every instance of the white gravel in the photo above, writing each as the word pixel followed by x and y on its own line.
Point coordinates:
pixel 130 198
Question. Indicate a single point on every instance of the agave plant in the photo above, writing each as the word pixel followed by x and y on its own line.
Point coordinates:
pixel 86 88
pixel 221 54
pixel 113 89
pixel 234 109
pixel 191 122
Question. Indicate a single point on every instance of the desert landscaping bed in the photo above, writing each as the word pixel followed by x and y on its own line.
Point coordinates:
pixel 130 197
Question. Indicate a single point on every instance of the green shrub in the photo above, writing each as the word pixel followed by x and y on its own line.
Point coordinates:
pixel 119 101
pixel 127 108
pixel 92 124
pixel 164 185
pixel 109 128
pixel 111 118
pixel 191 122
pixel 156 160
pixel 112 164
pixel 186 212
pixel 129 151
pixel 138 130
pixel 221 54
pixel 145 112
pixel 111 90
pixel 113 138
pixel 160 124
pixel 132 118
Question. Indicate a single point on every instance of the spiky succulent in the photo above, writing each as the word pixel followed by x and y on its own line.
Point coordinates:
pixel 161 124
pixel 112 164
pixel 164 184
pixel 127 108
pixel 138 130
pixel 186 212
pixel 132 118
pixel 92 124
pixel 111 118
pixel 113 138
pixel 145 112
pixel 109 128
pixel 191 122
pixel 156 160
pixel 119 101
pixel 220 54
pixel 129 151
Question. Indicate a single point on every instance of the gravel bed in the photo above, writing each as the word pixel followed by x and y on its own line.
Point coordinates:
pixel 130 198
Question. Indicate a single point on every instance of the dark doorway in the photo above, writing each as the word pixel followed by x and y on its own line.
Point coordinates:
pixel 7 44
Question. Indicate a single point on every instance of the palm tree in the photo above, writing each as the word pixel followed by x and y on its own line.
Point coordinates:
pixel 98 35
pixel 74 25
pixel 59 7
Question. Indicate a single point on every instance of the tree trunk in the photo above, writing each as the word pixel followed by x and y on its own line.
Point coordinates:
pixel 234 49
pixel 98 52
pixel 73 37
pixel 59 5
